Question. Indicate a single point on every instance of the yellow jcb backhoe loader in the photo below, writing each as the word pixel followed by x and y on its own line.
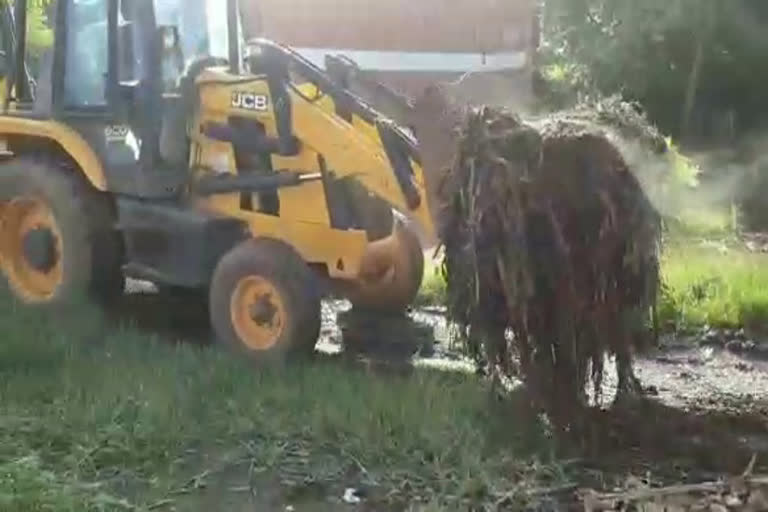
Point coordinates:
pixel 147 141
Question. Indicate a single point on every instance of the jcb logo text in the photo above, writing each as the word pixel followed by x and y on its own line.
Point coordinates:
pixel 250 101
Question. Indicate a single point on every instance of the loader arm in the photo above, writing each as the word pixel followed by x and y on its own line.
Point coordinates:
pixel 345 72
pixel 355 139
pixel 432 118
pixel 373 153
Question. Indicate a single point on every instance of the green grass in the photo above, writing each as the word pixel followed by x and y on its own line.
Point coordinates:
pixel 705 284
pixel 432 290
pixel 94 417
pixel 97 418
pixel 692 223
pixel 715 285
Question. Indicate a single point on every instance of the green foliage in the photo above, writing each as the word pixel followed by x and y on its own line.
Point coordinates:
pixel 26 486
pixel 433 290
pixel 685 171
pixel 692 206
pixel 40 35
pixel 711 283
pixel 663 53
pixel 714 285
pixel 673 183
pixel 39 31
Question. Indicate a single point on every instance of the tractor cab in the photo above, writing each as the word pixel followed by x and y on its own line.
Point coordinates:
pixel 120 74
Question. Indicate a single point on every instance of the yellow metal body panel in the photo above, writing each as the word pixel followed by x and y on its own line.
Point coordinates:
pixel 349 150
pixel 305 203
pixel 341 251
pixel 304 222
pixel 355 149
pixel 69 140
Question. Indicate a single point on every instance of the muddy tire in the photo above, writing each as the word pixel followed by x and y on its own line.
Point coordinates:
pixel 57 241
pixel 265 302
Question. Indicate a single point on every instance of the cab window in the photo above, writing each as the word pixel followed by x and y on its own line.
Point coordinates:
pixel 39 47
pixel 5 43
pixel 86 60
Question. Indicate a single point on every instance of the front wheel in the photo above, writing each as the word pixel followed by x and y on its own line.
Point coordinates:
pixel 264 301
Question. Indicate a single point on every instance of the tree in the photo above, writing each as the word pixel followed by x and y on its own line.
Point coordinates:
pixel 697 66
pixel 39 32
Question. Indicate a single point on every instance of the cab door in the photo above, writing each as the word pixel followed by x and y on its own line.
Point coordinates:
pixel 107 89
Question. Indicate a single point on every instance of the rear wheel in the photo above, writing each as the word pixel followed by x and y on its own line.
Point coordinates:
pixel 57 243
pixel 265 302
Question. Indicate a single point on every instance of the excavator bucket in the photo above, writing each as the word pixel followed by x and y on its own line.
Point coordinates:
pixel 392 268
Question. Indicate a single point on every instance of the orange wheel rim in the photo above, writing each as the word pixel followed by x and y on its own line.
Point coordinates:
pixel 258 313
pixel 21 217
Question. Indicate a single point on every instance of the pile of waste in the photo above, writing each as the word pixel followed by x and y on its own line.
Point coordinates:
pixel 551 255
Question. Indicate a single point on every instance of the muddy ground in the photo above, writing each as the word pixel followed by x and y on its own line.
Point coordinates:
pixel 705 416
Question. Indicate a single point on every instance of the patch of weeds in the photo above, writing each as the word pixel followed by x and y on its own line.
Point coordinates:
pixel 722 287
pixel 433 287
pixel 83 404
pixel 26 486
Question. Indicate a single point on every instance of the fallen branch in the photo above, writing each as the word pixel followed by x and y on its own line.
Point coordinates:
pixel 744 493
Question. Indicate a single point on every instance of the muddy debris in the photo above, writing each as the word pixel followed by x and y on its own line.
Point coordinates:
pixel 735 341
pixel 394 335
pixel 613 113
pixel 551 237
